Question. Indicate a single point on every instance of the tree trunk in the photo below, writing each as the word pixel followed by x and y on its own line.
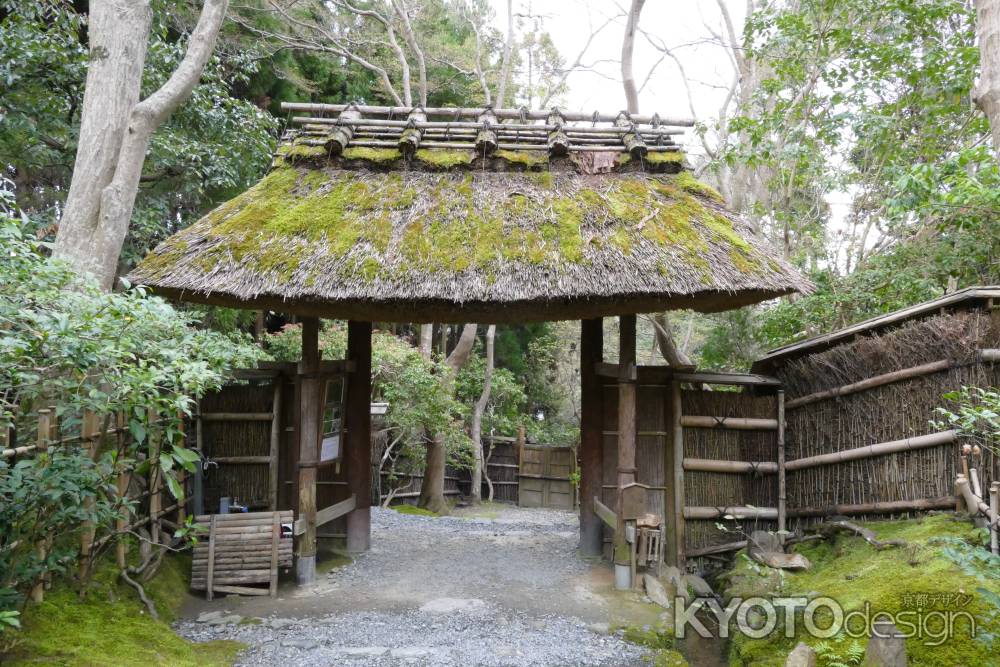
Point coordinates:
pixel 115 129
pixel 987 93
pixel 477 418
pixel 432 485
pixel 628 46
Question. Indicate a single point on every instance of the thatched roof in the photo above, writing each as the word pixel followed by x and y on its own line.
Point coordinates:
pixel 452 234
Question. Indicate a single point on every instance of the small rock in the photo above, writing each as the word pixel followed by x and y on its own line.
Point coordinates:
pixel 279 623
pixel 304 644
pixel 410 652
pixel 782 561
pixel 801 656
pixel 599 628
pixel 207 616
pixel 219 618
pixel 697 585
pixel 655 590
pixel 451 605
pixel 887 650
pixel 364 651
pixel 762 541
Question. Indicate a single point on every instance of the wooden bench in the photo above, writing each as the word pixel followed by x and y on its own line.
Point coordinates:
pixel 241 549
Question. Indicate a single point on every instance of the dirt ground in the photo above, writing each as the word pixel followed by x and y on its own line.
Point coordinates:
pixel 497 585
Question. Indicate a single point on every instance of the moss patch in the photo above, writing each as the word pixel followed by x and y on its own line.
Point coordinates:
pixel 413 510
pixel 444 158
pixel 110 626
pixel 373 155
pixel 687 182
pixel 526 159
pixel 298 217
pixel 853 573
pixel 660 640
pixel 664 157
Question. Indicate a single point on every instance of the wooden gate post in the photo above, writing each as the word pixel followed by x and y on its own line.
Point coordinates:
pixel 676 505
pixel 780 441
pixel 591 439
pixel 309 416
pixel 358 453
pixel 626 428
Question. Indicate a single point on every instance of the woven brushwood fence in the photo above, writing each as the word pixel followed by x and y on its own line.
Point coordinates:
pixel 720 490
pixel 141 500
pixel 889 412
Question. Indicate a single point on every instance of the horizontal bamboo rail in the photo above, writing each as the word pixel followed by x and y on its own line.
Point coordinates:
pixel 710 465
pixel 542 129
pixel 236 416
pixel 707 513
pixel 880 449
pixel 985 356
pixel 890 507
pixel 475 112
pixel 732 423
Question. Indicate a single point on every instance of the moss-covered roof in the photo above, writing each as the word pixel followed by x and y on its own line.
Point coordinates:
pixel 458 237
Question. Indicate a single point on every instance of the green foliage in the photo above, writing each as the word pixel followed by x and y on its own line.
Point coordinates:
pixel 212 147
pixel 67 343
pixel 976 416
pixel 419 404
pixel 504 412
pixel 839 652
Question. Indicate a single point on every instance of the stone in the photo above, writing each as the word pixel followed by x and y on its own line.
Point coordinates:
pixel 364 651
pixel 599 628
pixel 672 578
pixel 697 585
pixel 207 616
pixel 886 648
pixel 781 561
pixel 656 591
pixel 218 618
pixel 801 656
pixel 279 623
pixel 410 652
pixel 304 644
pixel 452 605
pixel 761 541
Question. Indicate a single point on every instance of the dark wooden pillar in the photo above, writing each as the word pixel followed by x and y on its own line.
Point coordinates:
pixel 591 437
pixel 626 425
pixel 357 452
pixel 310 399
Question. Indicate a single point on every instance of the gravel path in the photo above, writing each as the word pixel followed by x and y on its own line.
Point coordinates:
pixel 502 588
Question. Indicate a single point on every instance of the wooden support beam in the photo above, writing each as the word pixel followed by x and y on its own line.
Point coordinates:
pixel 731 423
pixel 741 467
pixel 626 428
pixel 711 513
pixel 328 514
pixel 605 513
pixel 243 460
pixel 780 445
pixel 311 395
pixel 880 449
pixel 275 446
pixel 357 450
pixel 591 442
pixel 716 549
pixel 676 506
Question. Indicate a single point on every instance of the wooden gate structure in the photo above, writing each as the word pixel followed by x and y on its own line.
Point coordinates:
pixel 545 477
pixel 398 214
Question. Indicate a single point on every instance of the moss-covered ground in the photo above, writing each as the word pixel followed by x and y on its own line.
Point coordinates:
pixel 921 576
pixel 414 510
pixel 110 627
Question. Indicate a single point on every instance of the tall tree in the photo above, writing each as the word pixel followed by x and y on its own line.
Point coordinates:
pixel 476 431
pixel 987 93
pixel 116 128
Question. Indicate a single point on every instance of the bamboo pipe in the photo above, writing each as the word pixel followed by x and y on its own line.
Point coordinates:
pixel 995 508
pixel 734 423
pixel 361 123
pixel 985 356
pixel 735 512
pixel 891 507
pixel 975 503
pixel 880 449
pixel 710 465
pixel 473 112
pixel 974 479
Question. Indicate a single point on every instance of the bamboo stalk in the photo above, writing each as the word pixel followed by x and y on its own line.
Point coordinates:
pixel 361 124
pixel 716 549
pixel 880 449
pixel 890 507
pixel 710 465
pixel 734 423
pixel 780 446
pixel 703 513
pixel 974 502
pixel 995 508
pixel 974 479
pixel 474 112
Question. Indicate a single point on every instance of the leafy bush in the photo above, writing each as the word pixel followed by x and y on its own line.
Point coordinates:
pixel 66 343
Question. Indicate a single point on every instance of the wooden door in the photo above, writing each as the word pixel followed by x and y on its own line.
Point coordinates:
pixel 545 477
